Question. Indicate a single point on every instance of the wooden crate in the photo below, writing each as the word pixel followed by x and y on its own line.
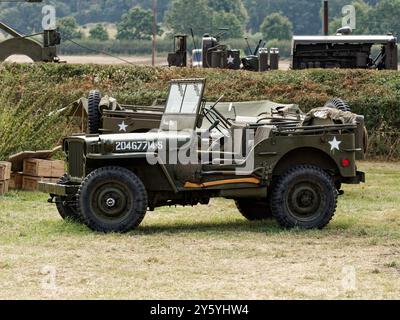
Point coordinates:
pixel 5 170
pixel 44 168
pixel 32 183
pixel 4 187
pixel 16 181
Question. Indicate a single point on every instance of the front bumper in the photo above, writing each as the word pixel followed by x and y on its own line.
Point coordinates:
pixel 58 189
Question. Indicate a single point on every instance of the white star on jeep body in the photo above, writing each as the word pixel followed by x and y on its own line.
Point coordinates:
pixel 231 59
pixel 335 144
pixel 122 126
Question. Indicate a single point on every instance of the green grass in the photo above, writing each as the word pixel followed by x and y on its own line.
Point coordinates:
pixel 207 252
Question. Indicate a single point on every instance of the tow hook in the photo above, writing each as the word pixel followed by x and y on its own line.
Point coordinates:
pixel 51 199
pixel 340 192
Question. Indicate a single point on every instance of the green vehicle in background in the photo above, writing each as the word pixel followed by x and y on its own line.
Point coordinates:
pixel 279 163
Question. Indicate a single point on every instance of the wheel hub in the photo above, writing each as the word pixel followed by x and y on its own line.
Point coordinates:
pixel 110 202
pixel 304 200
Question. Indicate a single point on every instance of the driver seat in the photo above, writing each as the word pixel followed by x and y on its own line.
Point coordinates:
pixel 239 139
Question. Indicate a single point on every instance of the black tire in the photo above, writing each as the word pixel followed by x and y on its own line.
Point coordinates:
pixel 304 197
pixel 112 199
pixel 67 207
pixel 339 104
pixel 94 115
pixel 254 210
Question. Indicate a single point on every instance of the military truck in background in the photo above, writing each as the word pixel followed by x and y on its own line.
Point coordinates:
pixel 344 51
pixel 283 164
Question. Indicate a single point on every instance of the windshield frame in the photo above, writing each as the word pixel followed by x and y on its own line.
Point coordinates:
pixel 182 119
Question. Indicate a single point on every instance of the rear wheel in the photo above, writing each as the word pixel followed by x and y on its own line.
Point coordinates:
pixel 67 206
pixel 339 104
pixel 94 115
pixel 112 199
pixel 304 197
pixel 254 210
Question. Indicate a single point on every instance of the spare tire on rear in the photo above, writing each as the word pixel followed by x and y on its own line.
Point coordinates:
pixel 339 104
pixel 94 115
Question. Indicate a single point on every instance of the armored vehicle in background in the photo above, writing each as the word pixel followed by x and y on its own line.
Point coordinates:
pixel 282 164
pixel 344 51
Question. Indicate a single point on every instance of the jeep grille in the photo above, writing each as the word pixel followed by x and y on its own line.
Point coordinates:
pixel 76 159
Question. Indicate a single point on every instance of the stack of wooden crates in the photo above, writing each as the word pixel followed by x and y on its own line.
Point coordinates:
pixel 5 175
pixel 35 171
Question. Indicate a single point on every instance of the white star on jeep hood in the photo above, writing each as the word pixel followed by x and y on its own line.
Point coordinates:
pixel 231 60
pixel 122 126
pixel 335 144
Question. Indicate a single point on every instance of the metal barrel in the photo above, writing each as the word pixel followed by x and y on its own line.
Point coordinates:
pixel 216 57
pixel 274 58
pixel 264 59
pixel 233 59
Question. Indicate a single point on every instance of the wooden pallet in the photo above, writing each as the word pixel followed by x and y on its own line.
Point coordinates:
pixel 32 183
pixel 44 168
pixel 16 181
pixel 5 170
pixel 4 185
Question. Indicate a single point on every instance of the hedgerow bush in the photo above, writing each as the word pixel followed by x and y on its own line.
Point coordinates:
pixel 31 92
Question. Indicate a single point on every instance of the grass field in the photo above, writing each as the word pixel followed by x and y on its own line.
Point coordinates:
pixel 207 252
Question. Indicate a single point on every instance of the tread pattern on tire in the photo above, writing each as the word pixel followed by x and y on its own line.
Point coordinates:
pixel 141 201
pixel 94 115
pixel 339 104
pixel 280 186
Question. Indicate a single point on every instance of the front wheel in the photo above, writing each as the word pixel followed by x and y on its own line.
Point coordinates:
pixel 112 199
pixel 304 197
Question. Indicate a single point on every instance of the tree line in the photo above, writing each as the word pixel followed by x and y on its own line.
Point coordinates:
pixel 272 19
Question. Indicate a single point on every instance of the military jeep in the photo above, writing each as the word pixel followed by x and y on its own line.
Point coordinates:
pixel 290 168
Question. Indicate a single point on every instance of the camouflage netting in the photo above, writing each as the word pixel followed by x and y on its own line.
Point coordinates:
pixel 30 92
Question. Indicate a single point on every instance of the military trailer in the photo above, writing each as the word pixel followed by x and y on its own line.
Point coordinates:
pixel 344 51
pixel 285 164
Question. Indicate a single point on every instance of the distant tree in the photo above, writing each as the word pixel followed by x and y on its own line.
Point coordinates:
pixel 229 21
pixel 276 26
pixel 235 7
pixel 185 14
pixel 384 17
pixel 304 14
pixel 69 28
pixel 136 24
pixel 99 32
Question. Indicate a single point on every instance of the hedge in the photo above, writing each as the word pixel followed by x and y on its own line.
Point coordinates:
pixel 30 92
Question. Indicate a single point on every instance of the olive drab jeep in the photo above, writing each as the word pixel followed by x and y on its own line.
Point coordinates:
pixel 279 163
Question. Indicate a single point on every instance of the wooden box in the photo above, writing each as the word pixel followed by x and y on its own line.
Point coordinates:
pixel 16 181
pixel 4 187
pixel 32 183
pixel 5 170
pixel 44 168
